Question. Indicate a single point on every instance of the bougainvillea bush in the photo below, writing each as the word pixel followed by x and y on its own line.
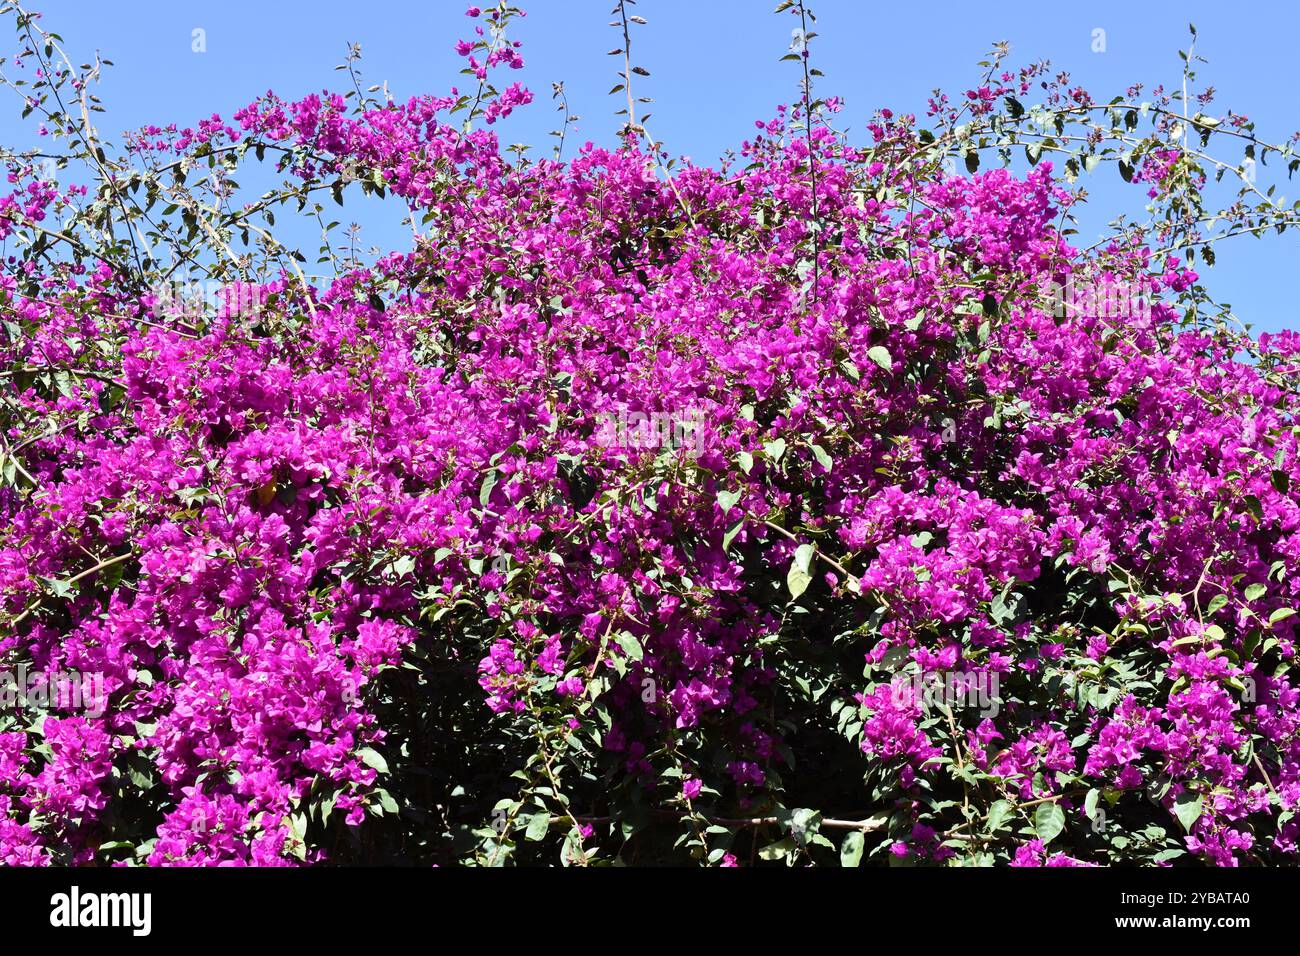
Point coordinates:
pixel 833 504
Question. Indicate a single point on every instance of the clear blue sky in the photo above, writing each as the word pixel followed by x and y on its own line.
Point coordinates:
pixel 714 66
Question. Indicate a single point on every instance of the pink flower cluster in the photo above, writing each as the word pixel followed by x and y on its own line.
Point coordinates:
pixel 256 522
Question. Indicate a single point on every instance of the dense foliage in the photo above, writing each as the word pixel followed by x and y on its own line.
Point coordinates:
pixel 827 505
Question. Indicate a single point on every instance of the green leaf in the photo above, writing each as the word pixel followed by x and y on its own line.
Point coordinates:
pixel 774 851
pixel 116 845
pixel 1090 803
pixel 485 491
pixel 851 849
pixel 822 457
pixel 999 813
pixel 298 830
pixel 60 588
pixel 797 581
pixel 1049 821
pixel 572 851
pixel 630 645
pixel 1281 614
pixel 1256 591
pixel 140 778
pixel 880 355
pixel 538 825
pixel 727 500
pixel 373 759
pixel 730 536
pixel 800 575
pixel 1188 807
pixel 774 448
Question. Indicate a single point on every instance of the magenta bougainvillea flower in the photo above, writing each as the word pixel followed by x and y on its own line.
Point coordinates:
pixel 826 490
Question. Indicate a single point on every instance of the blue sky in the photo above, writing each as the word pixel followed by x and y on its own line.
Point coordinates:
pixel 715 69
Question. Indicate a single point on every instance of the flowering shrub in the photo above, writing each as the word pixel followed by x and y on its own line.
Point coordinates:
pixel 784 510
